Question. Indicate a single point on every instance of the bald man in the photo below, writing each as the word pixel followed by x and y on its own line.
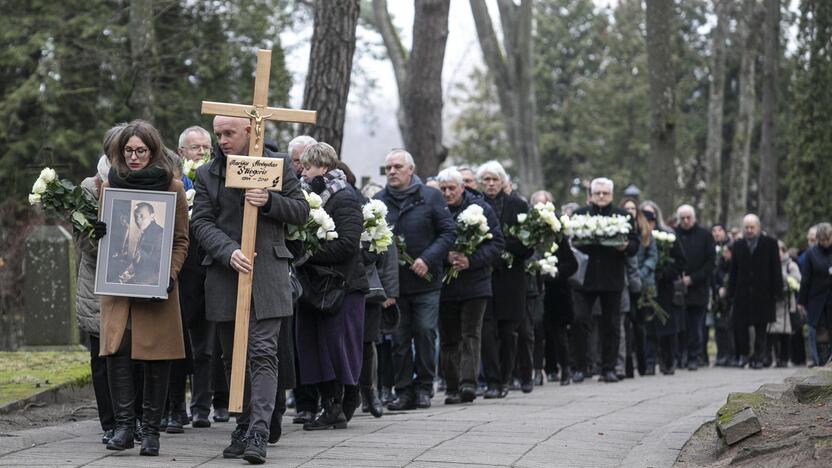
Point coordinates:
pixel 217 223
pixel 755 284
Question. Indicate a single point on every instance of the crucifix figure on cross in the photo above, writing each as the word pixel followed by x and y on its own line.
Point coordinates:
pixel 228 238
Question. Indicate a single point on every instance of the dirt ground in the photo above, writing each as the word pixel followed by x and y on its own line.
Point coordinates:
pixel 76 408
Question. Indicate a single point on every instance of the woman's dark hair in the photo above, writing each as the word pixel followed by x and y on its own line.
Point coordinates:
pixel 150 137
pixel 347 172
pixel 641 221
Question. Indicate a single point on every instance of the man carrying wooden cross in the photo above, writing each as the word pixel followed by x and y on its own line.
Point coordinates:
pixel 217 224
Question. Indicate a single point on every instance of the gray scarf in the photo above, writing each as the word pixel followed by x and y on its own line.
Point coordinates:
pixel 400 195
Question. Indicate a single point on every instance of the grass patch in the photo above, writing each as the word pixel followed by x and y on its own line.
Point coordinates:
pixel 738 402
pixel 23 374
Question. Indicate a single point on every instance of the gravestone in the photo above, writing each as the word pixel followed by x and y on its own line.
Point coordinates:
pixel 49 288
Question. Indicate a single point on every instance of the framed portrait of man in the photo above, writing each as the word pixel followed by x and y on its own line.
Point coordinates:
pixel 134 255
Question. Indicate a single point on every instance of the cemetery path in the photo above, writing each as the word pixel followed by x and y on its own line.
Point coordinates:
pixel 640 422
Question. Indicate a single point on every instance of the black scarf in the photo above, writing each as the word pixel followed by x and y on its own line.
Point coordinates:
pixel 400 195
pixel 149 178
pixel 497 203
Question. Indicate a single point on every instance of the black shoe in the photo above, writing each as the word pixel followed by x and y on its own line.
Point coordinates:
pixel 150 446
pixel 782 364
pixel 163 424
pixel 503 391
pixel 608 377
pixel 275 426
pixel 332 417
pixel 467 394
pixel 176 422
pixel 693 366
pixel 651 370
pixel 452 398
pixel 201 421
pixel 742 362
pixel 515 385
pixel 552 376
pixel 578 377
pixel 351 401
pixel 221 415
pixel 441 385
pixel 565 377
pixel 756 365
pixel 422 400
pixel 386 396
pixel 238 443
pixel 620 377
pixel 137 432
pixel 303 417
pixel 122 439
pixel 290 400
pixel 669 370
pixel 369 397
pixel 538 377
pixel 405 401
pixel 108 434
pixel 527 387
pixel 255 452
pixel 491 393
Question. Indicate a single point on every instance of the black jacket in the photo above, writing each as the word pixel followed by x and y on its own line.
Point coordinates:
pixel 755 282
pixel 698 244
pixel 344 253
pixel 666 277
pixel 816 282
pixel 607 265
pixel 509 284
pixel 475 281
pixel 429 232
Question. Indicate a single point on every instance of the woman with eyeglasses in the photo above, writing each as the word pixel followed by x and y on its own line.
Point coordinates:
pixel 148 331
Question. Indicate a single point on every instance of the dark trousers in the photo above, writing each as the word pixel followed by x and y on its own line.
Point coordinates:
pixel 219 383
pixel 203 336
pixel 261 370
pixel 742 341
pixel 384 351
pixel 499 348
pixel 667 351
pixel 369 360
pixel 414 342
pixel 98 365
pixel 525 338
pixel 609 327
pixel 460 325
pixel 695 326
pixel 639 336
pixel 541 344
pixel 724 334
pixel 780 343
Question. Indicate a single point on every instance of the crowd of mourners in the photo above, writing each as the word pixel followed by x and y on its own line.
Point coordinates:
pixel 387 330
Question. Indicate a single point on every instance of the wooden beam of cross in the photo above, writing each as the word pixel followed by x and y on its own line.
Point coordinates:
pixel 258 113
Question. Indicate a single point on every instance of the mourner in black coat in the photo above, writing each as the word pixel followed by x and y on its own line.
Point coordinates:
pixel 558 313
pixel 755 282
pixel 604 281
pixel 816 287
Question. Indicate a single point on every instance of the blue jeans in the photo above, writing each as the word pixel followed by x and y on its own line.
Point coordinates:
pixel 414 342
pixel 694 325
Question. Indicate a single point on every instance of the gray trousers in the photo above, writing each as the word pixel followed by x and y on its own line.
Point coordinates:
pixel 261 370
pixel 203 335
pixel 460 325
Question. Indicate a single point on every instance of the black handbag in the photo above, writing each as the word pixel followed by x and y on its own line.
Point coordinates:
pixel 323 288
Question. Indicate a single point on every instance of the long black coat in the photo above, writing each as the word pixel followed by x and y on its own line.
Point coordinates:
pixel 700 253
pixel 755 281
pixel 666 276
pixel 607 266
pixel 816 282
pixel 475 281
pixel 557 297
pixel 509 284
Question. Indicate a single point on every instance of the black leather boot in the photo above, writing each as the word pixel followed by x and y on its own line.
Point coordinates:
pixel 371 399
pixel 177 418
pixel 155 393
pixel 352 399
pixel 332 417
pixel 120 377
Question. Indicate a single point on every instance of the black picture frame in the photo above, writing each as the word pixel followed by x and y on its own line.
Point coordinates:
pixel 134 256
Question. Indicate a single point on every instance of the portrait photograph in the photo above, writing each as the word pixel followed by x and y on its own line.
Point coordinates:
pixel 134 255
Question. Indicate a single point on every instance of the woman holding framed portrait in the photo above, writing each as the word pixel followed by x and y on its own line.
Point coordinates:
pixel 141 328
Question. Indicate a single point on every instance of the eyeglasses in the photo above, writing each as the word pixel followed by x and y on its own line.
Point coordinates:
pixel 602 194
pixel 139 152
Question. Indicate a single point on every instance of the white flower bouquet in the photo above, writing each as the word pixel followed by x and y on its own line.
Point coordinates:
pixel 539 227
pixel 62 198
pixel 609 231
pixel 792 284
pixel 319 225
pixel 471 231
pixel 664 244
pixel 376 231
pixel 189 166
pixel 548 265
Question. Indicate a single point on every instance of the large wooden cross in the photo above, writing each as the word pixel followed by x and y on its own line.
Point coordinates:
pixel 258 113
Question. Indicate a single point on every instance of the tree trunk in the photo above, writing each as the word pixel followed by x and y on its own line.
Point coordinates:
pixel 660 16
pixel 330 67
pixel 419 79
pixel 716 99
pixel 143 55
pixel 747 33
pixel 768 180
pixel 512 69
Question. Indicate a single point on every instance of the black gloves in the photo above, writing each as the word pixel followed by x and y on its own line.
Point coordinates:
pixel 318 184
pixel 157 300
pixel 99 230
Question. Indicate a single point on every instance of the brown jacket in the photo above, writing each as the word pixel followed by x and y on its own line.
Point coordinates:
pixel 156 326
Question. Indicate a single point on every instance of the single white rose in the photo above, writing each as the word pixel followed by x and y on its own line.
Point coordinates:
pixel 39 187
pixel 48 175
pixel 34 198
pixel 521 218
pixel 331 235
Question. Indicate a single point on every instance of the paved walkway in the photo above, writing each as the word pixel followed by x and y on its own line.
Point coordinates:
pixel 641 422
